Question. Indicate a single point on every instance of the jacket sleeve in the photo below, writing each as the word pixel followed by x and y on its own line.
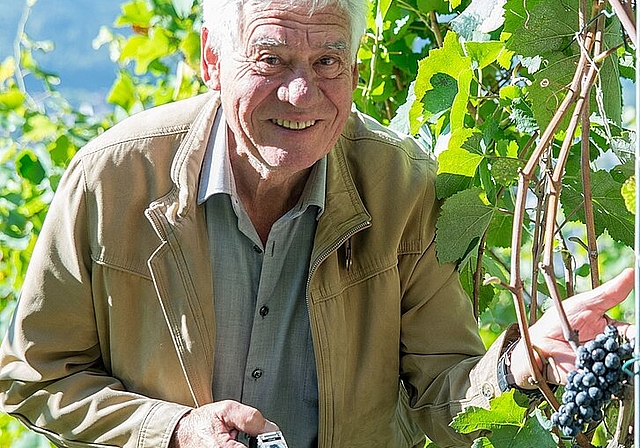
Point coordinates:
pixel 445 367
pixel 52 376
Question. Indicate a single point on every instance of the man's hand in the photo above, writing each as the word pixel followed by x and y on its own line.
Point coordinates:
pixel 586 313
pixel 218 424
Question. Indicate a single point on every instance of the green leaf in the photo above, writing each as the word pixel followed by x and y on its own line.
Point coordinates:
pixel 11 99
pixel 60 150
pixel 439 6
pixel 135 13
pixel 182 7
pixel 628 192
pixel 609 207
pixel 545 30
pixel 500 230
pixel 30 168
pixel 504 412
pixel 505 170
pixel 448 184
pixel 383 8
pixel 462 222
pixel 458 161
pixel 441 97
pixel 522 116
pixel 508 422
pixel 449 60
pixel 123 92
pixel 486 293
pixel 190 47
pixel 146 49
pixel 484 53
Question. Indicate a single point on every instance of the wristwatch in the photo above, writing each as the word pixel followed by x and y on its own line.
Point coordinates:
pixel 506 380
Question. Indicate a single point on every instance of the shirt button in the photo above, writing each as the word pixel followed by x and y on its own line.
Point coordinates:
pixel 257 249
pixel 256 374
pixel 264 311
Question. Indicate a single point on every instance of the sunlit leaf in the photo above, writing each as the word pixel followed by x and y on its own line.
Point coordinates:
pixel 628 192
pixel 11 99
pixel 123 92
pixel 39 127
pixel 135 13
pixel 461 224
pixel 449 60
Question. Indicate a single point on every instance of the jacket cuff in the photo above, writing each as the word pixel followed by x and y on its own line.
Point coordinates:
pixel 159 424
pixel 485 383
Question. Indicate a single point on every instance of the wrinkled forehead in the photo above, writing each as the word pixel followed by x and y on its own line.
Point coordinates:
pixel 278 23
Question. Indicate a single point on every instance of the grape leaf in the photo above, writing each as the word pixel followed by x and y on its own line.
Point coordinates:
pixel 628 192
pixel 500 230
pixel 448 184
pixel 545 30
pixel 458 161
pixel 484 53
pixel 450 60
pixel 505 170
pixel 507 423
pixel 441 97
pixel 522 116
pixel 462 222
pixel 610 211
pixel 504 411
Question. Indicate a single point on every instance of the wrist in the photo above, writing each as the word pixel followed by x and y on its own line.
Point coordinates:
pixel 515 375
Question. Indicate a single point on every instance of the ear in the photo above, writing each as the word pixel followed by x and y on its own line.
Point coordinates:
pixel 355 75
pixel 208 62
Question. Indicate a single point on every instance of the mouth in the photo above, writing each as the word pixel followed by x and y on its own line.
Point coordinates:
pixel 294 125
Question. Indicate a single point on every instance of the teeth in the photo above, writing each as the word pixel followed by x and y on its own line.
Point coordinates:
pixel 297 125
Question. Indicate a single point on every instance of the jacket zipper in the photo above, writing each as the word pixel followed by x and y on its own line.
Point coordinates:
pixel 322 257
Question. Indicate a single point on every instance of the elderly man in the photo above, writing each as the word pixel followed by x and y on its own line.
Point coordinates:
pixel 258 254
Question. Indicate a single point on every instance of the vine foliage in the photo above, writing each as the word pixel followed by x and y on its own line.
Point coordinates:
pixel 519 100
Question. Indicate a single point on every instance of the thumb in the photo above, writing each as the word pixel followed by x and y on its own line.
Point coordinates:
pixel 248 420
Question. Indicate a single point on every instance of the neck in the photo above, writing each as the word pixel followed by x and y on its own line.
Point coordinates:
pixel 266 194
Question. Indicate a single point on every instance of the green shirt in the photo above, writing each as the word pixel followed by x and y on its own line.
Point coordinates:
pixel 264 351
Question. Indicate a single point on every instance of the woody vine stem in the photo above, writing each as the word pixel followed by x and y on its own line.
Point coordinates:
pixel 548 182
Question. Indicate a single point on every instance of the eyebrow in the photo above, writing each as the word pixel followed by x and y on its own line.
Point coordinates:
pixel 272 42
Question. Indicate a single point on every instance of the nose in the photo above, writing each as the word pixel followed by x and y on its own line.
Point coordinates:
pixel 301 90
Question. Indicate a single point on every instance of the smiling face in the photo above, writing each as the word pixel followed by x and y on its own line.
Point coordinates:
pixel 286 88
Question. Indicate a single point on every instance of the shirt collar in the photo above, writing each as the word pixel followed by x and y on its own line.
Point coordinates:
pixel 216 175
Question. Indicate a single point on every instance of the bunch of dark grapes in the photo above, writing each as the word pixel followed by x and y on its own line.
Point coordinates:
pixel 598 377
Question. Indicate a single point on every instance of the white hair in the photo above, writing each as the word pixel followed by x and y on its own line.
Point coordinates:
pixel 223 19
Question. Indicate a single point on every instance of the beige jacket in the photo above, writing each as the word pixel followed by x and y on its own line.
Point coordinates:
pixel 112 340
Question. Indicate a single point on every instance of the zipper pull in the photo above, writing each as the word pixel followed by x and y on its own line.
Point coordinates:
pixel 348 255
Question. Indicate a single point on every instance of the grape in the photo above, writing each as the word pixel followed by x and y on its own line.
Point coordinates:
pixel 599 368
pixel 598 354
pixel 612 361
pixel 597 378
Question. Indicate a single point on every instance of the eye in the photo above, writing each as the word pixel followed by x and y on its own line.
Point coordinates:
pixel 329 66
pixel 327 61
pixel 268 64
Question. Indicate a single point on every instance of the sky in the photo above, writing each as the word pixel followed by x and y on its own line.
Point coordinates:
pixel 85 74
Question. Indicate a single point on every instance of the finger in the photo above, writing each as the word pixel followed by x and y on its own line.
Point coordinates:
pixel 610 293
pixel 245 419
